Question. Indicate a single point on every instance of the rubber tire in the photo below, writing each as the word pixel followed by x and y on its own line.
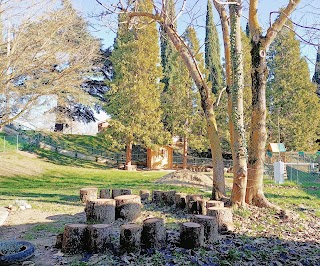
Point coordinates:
pixel 16 257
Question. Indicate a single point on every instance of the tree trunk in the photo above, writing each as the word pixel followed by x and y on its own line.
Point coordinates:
pixel 129 154
pixel 239 140
pixel 185 153
pixel 218 190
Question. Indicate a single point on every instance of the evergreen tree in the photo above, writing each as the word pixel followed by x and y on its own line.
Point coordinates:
pixel 212 52
pixel 316 76
pixel 291 100
pixel 134 97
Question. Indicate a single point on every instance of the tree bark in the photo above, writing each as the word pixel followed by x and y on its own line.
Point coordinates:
pixel 99 237
pixel 239 141
pixel 74 238
pixel 258 136
pixel 180 200
pixel 210 226
pixel 130 238
pixel 100 211
pixel 129 154
pixel 88 193
pixel 105 193
pixel 185 153
pixel 223 217
pixel 128 207
pixel 191 235
pixel 154 233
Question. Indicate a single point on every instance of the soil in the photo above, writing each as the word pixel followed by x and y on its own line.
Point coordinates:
pixel 261 236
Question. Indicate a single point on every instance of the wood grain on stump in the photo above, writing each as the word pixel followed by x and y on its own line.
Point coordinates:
pixel 100 237
pixel 75 238
pixel 130 238
pixel 180 200
pixel 100 211
pixel 223 216
pixel 144 195
pixel 105 193
pixel 210 226
pixel 128 207
pixel 88 193
pixel 191 235
pixel 215 203
pixel 154 233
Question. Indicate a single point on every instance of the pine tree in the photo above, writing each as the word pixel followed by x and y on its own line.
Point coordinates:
pixel 134 98
pixel 212 52
pixel 291 100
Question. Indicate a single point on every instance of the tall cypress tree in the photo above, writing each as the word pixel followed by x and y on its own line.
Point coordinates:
pixel 291 100
pixel 316 76
pixel 134 98
pixel 212 52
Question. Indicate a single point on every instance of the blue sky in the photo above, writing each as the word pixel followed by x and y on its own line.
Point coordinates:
pixel 306 14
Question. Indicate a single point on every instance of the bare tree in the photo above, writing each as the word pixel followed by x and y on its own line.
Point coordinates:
pixel 46 54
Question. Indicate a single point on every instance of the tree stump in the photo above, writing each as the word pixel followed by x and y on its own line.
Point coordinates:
pixel 202 206
pixel 128 207
pixel 119 192
pixel 192 205
pixel 144 195
pixel 154 233
pixel 88 193
pixel 130 238
pixel 59 241
pixel 215 203
pixel 157 196
pixel 223 217
pixel 180 200
pixel 100 211
pixel 168 197
pixel 105 193
pixel 191 235
pixel 75 237
pixel 210 226
pixel 100 237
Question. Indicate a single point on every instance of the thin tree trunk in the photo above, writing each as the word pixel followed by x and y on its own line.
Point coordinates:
pixel 239 141
pixel 185 153
pixel 128 153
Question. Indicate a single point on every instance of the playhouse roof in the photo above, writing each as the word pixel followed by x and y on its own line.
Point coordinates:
pixel 276 147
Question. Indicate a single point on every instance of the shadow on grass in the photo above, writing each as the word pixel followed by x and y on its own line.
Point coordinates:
pixel 60 159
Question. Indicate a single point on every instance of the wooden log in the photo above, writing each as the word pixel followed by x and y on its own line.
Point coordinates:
pixel 191 235
pixel 144 195
pixel 128 207
pixel 105 193
pixel 154 233
pixel 168 197
pixel 119 192
pixel 130 238
pixel 223 217
pixel 210 227
pixel 100 211
pixel 99 237
pixel 191 201
pixel 75 237
pixel 215 203
pixel 88 193
pixel 157 196
pixel 180 200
